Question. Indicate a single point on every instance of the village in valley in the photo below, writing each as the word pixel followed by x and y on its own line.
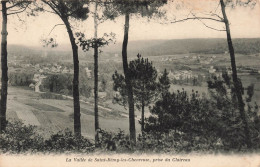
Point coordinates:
pixel 188 69
pixel 130 76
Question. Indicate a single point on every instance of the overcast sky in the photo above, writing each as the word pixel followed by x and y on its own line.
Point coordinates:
pixel 245 23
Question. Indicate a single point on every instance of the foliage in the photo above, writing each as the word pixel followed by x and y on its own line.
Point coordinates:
pixel 20 138
pixel 189 115
pixel 223 95
pixel 58 83
pixel 49 42
pixel 114 141
pixel 65 9
pixel 204 123
pixel 143 77
pixel 164 82
pixel 172 142
pixel 66 141
pixel 119 86
pixel 147 8
pixel 156 142
pixel 21 78
pixel 62 84
pixel 86 44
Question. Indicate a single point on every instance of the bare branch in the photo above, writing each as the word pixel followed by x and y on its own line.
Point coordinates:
pixel 209 26
pixel 214 14
pixel 189 14
pixel 206 24
pixel 54 28
pixel 17 4
pixel 197 18
pixel 20 18
pixel 18 11
pixel 216 8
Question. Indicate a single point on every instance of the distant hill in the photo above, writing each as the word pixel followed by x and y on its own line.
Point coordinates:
pixel 152 47
pixel 216 46
pixel 181 46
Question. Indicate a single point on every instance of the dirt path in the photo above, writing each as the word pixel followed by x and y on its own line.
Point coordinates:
pixel 24 113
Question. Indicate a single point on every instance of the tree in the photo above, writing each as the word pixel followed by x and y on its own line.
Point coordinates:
pixel 97 18
pixel 212 121
pixel 224 94
pixel 143 79
pixel 127 7
pixel 67 9
pixel 13 8
pixel 164 82
pixel 190 118
pixel 95 43
pixel 237 83
pixel 96 75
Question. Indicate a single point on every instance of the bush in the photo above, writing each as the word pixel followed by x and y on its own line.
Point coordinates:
pixel 176 142
pixel 118 142
pixel 203 123
pixel 66 142
pixel 19 138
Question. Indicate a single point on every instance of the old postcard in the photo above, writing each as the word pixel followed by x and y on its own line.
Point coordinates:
pixel 130 82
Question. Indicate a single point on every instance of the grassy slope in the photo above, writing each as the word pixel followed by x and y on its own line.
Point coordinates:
pixel 53 121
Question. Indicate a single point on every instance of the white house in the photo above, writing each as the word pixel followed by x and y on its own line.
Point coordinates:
pixel 212 70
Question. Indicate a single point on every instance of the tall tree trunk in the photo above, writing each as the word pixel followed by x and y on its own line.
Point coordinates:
pixel 96 77
pixel 235 78
pixel 142 119
pixel 142 114
pixel 77 125
pixel 128 82
pixel 4 68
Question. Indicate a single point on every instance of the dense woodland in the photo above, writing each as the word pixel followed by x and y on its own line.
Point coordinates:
pixel 225 120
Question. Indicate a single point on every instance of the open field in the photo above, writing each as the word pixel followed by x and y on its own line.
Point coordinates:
pixel 55 115
pixel 247 80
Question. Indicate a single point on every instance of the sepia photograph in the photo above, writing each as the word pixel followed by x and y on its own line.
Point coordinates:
pixel 130 82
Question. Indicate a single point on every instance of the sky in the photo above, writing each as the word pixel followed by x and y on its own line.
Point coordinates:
pixel 245 23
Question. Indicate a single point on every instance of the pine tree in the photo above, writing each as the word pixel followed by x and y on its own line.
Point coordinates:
pixel 126 8
pixel 143 79
pixel 67 10
pixel 164 82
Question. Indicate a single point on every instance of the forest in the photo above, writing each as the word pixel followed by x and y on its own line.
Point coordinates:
pixel 141 86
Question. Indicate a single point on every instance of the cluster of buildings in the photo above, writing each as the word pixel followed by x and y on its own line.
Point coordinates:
pixel 37 78
pixel 180 75
pixel 168 59
pixel 55 68
pixel 202 60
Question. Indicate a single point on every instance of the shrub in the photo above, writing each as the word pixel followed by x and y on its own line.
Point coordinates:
pixel 201 123
pixel 118 142
pixel 19 138
pixel 66 142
